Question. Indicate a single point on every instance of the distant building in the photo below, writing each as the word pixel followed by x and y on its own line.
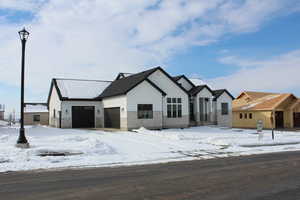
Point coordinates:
pixel 36 114
pixel 274 109
pixel 2 110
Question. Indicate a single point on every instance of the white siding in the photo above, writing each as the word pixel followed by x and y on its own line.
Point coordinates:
pixel 172 90
pixel 66 112
pixel 144 93
pixel 224 120
pixel 185 84
pixel 54 104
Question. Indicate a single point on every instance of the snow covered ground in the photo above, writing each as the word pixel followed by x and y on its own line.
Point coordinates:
pixel 88 148
pixel 3 123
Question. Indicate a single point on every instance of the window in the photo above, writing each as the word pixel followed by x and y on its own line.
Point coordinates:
pixel 179 110
pixel 36 118
pixel 241 116
pixel 224 108
pixel 245 116
pixel 169 100
pixel 169 110
pixel 174 107
pixel 250 115
pixel 145 111
pixel 54 113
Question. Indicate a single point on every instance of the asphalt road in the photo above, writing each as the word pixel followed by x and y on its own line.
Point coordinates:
pixel 265 177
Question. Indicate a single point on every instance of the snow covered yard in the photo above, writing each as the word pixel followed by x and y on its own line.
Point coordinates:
pixel 87 148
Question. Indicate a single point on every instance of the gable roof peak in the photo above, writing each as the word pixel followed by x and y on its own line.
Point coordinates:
pixel 219 92
pixel 123 85
pixel 195 90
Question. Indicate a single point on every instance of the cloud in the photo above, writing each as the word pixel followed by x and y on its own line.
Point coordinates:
pixel 96 39
pixel 29 5
pixel 277 74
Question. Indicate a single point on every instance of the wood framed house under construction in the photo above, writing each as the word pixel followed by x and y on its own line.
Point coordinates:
pixel 274 109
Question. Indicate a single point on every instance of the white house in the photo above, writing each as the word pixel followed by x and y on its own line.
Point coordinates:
pixel 151 99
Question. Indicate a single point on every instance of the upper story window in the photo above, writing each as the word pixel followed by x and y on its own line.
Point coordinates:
pixel 174 107
pixel 250 115
pixel 145 111
pixel 224 107
pixel 241 115
pixel 245 115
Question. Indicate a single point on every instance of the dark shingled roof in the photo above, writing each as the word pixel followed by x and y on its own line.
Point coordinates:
pixel 124 85
pixel 123 74
pixel 194 91
pixel 218 93
pixel 176 78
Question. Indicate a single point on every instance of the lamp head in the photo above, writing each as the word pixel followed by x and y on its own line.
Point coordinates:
pixel 23 34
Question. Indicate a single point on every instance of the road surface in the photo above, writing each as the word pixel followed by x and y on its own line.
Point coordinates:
pixel 266 177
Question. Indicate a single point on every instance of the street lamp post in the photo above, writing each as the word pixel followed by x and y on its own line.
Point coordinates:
pixel 22 141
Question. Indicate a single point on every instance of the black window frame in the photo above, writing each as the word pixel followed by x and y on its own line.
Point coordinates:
pixel 179 110
pixel 35 119
pixel 145 111
pixel 241 115
pixel 226 111
pixel 174 107
pixel 169 110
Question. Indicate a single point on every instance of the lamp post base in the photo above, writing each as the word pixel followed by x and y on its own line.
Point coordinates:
pixel 23 145
pixel 22 141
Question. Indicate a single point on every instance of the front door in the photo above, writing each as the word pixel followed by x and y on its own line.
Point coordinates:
pixel 297 120
pixel 279 119
pixel 204 108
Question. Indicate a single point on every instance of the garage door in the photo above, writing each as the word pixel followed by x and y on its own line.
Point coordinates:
pixel 297 120
pixel 83 116
pixel 112 117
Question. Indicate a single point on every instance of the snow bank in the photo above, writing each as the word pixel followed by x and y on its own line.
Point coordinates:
pixel 86 148
pixel 3 123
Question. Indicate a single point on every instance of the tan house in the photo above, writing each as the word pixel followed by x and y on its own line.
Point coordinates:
pixel 36 114
pixel 274 109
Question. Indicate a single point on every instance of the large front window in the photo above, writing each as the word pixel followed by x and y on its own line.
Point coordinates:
pixel 145 111
pixel 174 107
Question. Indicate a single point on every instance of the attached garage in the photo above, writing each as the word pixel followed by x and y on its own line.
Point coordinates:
pixel 297 119
pixel 112 117
pixel 83 116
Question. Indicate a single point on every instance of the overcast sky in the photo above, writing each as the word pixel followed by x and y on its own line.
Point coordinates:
pixel 234 44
